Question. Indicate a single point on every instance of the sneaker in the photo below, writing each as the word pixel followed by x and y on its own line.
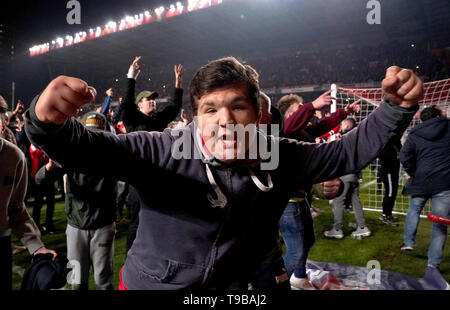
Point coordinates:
pixel 301 283
pixel 334 233
pixel 361 232
pixel 47 230
pixel 405 247
pixel 389 220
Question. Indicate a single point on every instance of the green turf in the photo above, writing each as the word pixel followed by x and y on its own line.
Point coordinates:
pixel 382 246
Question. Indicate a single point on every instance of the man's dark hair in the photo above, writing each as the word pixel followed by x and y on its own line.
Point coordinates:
pixel 285 102
pixel 220 73
pixel 429 113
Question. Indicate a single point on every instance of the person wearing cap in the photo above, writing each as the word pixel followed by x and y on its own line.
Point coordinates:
pixel 13 213
pixel 91 213
pixel 140 114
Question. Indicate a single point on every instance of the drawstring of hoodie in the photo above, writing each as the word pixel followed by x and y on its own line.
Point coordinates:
pixel 221 200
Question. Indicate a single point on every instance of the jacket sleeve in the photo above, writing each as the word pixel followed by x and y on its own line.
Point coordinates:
pixel 309 163
pixel 19 218
pixel 326 124
pixel 43 175
pixel 298 121
pixel 171 109
pixel 408 157
pixel 75 148
pixel 130 113
pixel 106 105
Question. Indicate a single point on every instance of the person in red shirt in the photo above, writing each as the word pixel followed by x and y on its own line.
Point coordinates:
pixel 41 190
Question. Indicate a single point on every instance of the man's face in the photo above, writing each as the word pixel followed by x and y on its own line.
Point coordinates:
pixel 147 105
pixel 230 105
pixel 291 110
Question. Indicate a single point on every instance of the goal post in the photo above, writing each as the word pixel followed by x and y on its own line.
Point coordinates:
pixel 371 189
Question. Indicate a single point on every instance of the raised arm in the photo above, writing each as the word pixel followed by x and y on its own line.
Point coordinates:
pixel 311 163
pixel 130 113
pixel 51 127
pixel 105 107
pixel 171 109
pixel 328 123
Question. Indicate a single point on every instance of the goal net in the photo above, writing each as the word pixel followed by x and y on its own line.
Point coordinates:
pixel 371 188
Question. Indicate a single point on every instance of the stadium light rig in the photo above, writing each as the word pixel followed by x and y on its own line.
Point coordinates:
pixel 128 22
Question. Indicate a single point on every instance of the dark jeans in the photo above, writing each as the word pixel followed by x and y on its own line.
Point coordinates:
pixel 5 264
pixel 297 230
pixel 46 189
pixel 134 207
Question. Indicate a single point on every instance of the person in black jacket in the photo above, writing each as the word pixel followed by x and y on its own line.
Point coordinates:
pixel 91 212
pixel 141 114
pixel 388 173
pixel 209 218
pixel 425 157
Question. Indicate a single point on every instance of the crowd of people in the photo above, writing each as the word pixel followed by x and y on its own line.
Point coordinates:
pixel 313 66
pixel 220 228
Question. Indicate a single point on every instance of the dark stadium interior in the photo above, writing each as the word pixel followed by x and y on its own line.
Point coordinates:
pixel 290 43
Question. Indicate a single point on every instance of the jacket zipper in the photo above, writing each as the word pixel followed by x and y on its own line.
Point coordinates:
pixel 210 266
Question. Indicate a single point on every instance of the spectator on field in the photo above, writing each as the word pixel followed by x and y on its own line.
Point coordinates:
pixel 425 158
pixel 91 212
pixel 351 194
pixel 13 213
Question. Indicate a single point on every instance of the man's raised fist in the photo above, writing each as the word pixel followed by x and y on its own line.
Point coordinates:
pixel 62 98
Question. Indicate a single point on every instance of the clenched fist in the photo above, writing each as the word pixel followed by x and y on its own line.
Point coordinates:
pixel 402 87
pixel 331 188
pixel 62 98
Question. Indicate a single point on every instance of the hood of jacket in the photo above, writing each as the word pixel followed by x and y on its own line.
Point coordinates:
pixel 432 129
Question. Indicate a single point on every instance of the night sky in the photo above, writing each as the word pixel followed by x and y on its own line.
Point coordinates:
pixel 39 21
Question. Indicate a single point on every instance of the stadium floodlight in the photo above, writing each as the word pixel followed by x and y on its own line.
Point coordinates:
pixel 192 4
pixel 127 23
pixel 417 67
pixel 412 45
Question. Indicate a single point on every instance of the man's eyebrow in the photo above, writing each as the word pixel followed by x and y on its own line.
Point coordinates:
pixel 209 103
pixel 234 100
